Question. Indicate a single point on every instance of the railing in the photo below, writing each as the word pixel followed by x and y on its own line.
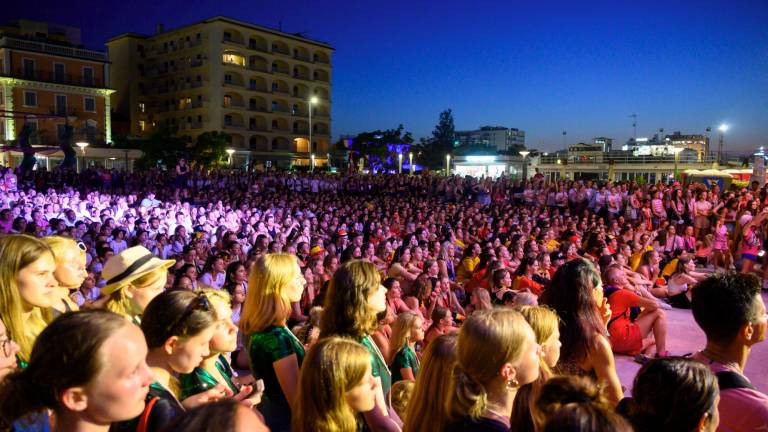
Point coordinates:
pixel 234 126
pixel 233 104
pixel 48 48
pixel 302 58
pixel 258 48
pixel 279 51
pixel 256 128
pixel 258 109
pixel 57 78
pixel 302 77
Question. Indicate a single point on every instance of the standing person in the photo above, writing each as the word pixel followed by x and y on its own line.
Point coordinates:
pixel 27 289
pixel 576 295
pixel 354 298
pixel 133 278
pixel 70 270
pixel 335 385
pixel 275 353
pixel 426 409
pixel 88 367
pixel 729 309
pixel 407 331
pixel 497 353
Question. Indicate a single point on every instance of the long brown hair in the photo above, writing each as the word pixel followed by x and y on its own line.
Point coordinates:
pixel 346 311
pixel 426 409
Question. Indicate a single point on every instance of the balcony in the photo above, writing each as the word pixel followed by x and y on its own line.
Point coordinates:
pixel 233 41
pixel 261 109
pixel 286 53
pixel 62 111
pixel 302 77
pixel 256 128
pixel 233 105
pixel 302 58
pixel 233 125
pixel 257 47
pixel 47 48
pixel 51 77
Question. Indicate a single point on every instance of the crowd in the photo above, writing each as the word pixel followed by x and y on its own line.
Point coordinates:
pixel 234 301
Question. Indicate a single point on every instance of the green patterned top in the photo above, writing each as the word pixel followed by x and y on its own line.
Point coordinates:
pixel 404 359
pixel 265 348
pixel 378 365
pixel 201 380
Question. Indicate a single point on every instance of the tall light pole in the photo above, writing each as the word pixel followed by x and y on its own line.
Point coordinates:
pixel 447 165
pixel 676 151
pixel 230 152
pixel 312 100
pixel 82 145
pixel 525 153
pixel 399 163
pixel 723 129
pixel 312 162
pixel 410 162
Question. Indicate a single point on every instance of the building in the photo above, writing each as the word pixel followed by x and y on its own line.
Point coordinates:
pixel 501 138
pixel 696 142
pixel 606 143
pixel 221 74
pixel 48 80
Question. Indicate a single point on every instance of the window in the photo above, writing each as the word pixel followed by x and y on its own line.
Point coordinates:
pixel 59 72
pixel 227 79
pixel 233 58
pixel 252 84
pixel 29 68
pixel 89 104
pixel 227 36
pixel 30 99
pixel 227 101
pixel 228 120
pixel 142 107
pixel 61 105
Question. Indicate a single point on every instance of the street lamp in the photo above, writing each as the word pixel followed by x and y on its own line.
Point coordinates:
pixel 399 163
pixel 230 152
pixel 82 145
pixel 312 101
pixel 723 128
pixel 312 162
pixel 410 162
pixel 525 153
pixel 676 151
pixel 447 164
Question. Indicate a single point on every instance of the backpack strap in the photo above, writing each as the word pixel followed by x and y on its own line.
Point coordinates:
pixel 144 419
pixel 733 380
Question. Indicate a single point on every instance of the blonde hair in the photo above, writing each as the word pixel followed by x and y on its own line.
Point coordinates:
pixel 60 245
pixel 401 332
pixel 426 409
pixel 544 322
pixel 487 340
pixel 120 303
pixel 346 311
pixel 401 396
pixel 332 367
pixel 483 299
pixel 220 298
pixel 266 303
pixel 17 251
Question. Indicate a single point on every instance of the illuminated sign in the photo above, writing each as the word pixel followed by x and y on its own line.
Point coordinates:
pixel 481 159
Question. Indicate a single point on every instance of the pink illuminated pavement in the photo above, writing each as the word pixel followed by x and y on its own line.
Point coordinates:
pixel 686 337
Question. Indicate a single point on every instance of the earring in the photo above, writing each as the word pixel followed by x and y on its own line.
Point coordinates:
pixel 512 384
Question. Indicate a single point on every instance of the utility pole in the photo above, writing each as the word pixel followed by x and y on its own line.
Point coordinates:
pixel 634 126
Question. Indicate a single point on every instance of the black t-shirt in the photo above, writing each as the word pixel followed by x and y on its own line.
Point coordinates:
pixel 482 424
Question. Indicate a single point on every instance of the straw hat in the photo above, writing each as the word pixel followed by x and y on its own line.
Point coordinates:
pixel 129 265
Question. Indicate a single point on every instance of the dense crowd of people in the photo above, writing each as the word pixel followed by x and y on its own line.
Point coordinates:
pixel 243 301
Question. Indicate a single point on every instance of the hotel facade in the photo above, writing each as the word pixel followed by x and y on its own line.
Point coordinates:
pixel 254 83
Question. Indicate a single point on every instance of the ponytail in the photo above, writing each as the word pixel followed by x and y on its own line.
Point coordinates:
pixel 469 396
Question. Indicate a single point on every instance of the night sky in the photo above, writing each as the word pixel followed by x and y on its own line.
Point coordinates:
pixel 543 68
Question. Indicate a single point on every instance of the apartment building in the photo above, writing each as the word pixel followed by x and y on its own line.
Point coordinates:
pixel 499 138
pixel 48 80
pixel 220 74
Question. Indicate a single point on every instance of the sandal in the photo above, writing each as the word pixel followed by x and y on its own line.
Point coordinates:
pixel 642 359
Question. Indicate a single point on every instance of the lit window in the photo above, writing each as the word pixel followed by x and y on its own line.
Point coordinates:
pixel 142 107
pixel 232 58
pixel 142 125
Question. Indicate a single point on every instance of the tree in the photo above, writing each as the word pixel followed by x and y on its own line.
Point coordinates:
pixel 380 147
pixel 442 141
pixel 162 148
pixel 210 148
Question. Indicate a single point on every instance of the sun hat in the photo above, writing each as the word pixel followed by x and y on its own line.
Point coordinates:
pixel 129 265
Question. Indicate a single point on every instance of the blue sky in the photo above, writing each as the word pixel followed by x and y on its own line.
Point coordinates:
pixel 543 67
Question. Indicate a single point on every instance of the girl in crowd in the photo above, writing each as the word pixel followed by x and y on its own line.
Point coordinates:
pixel 134 277
pixel 407 331
pixel 214 275
pixel 442 323
pixel 27 289
pixel 275 353
pixel 215 368
pixel 502 283
pixel 576 296
pixel 544 323
pixel 426 410
pixel 649 269
pixel 355 296
pixel 682 281
pixel 497 353
pixel 226 415
pixel 673 394
pixel 572 403
pixel 480 299
pixel 336 384
pixel 87 367
pixel 237 275
pixel 721 254
pixel 178 327
pixel 8 351
pixel 395 301
pixel 70 270
pixel 529 266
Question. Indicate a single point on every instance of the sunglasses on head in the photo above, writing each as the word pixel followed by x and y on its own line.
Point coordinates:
pixel 199 303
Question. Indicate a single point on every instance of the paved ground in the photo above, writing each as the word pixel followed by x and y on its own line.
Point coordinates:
pixel 686 337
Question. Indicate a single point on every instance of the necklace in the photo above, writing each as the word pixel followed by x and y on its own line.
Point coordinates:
pixel 719 359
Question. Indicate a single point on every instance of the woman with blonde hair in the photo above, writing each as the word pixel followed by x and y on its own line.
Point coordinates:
pixel 497 353
pixel 134 277
pixel 27 289
pixel 336 385
pixel 355 296
pixel 70 270
pixel 407 331
pixel 544 322
pixel 426 409
pixel 275 353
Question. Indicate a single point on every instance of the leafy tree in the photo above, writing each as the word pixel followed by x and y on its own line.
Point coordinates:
pixel 162 148
pixel 442 141
pixel 210 148
pixel 378 147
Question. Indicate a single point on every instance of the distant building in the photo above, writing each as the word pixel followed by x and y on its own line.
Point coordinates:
pixel 605 143
pixel 48 80
pixel 497 137
pixel 221 74
pixel 696 142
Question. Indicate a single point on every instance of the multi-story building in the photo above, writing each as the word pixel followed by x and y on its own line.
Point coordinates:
pixel 498 137
pixel 220 74
pixel 48 80
pixel 696 142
